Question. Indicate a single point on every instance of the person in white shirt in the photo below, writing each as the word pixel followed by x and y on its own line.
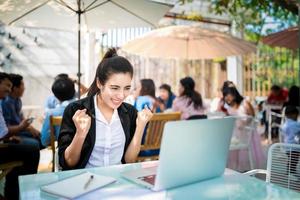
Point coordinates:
pixel 102 130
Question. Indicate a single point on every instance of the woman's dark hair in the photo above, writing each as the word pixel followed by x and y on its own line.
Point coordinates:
pixel 227 84
pixel 16 80
pixel 61 75
pixel 110 64
pixel 147 88
pixel 189 91
pixel 63 89
pixel 293 96
pixel 235 93
pixel 167 88
pixel 291 110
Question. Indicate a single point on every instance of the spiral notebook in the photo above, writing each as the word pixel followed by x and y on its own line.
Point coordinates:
pixel 77 185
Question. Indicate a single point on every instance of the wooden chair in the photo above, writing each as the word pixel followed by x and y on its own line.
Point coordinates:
pixel 5 168
pixel 154 133
pixel 54 121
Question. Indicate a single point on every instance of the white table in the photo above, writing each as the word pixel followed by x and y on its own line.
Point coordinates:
pixel 232 185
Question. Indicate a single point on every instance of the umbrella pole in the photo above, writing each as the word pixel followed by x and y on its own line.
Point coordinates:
pixel 79 12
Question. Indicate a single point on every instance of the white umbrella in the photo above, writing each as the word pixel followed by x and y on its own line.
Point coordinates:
pixel 187 42
pixel 62 14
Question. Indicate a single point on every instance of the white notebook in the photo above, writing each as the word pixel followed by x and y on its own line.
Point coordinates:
pixel 77 185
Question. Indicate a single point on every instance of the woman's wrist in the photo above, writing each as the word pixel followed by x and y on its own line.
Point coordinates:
pixel 141 126
pixel 80 135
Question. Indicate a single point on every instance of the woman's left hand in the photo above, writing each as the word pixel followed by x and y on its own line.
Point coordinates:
pixel 144 116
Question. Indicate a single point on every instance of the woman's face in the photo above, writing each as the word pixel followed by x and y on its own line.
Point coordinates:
pixel 115 90
pixel 164 94
pixel 229 99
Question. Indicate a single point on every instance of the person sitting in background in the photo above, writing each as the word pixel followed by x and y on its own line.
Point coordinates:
pixel 51 102
pixel 189 102
pixel 165 99
pixel 240 107
pixel 63 90
pixel 274 103
pixel 291 131
pixel 237 105
pixel 16 149
pixel 277 96
pixel 145 95
pixel 293 97
pixel 13 115
pixel 222 106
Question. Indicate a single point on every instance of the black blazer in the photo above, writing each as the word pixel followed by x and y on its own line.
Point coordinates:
pixel 127 114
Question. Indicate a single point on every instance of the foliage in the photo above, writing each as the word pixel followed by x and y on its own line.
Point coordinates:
pixel 281 63
pixel 254 18
pixel 251 16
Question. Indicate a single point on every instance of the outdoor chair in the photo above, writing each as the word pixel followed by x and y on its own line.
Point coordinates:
pixel 55 121
pixel 241 140
pixel 279 166
pixel 276 121
pixel 153 134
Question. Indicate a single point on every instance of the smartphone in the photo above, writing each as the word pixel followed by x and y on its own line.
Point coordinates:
pixel 30 119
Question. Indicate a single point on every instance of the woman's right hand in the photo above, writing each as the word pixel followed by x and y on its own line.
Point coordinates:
pixel 82 122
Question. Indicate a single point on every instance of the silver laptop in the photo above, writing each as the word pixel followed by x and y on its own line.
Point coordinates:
pixel 191 151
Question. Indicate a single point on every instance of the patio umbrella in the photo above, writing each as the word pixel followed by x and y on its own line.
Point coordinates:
pixel 62 14
pixel 187 42
pixel 287 38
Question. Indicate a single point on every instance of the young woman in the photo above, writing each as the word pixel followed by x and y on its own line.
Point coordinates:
pixel 165 99
pixel 189 102
pixel 145 95
pixel 222 106
pixel 237 105
pixel 101 130
pixel 240 107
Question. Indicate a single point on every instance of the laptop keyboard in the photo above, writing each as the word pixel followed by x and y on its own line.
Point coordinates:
pixel 149 179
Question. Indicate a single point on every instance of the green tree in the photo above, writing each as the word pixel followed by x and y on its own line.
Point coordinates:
pixel 251 16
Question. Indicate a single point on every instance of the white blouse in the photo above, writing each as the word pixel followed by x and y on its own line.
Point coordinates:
pixel 110 140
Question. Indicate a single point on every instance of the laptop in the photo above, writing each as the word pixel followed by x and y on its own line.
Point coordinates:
pixel 191 151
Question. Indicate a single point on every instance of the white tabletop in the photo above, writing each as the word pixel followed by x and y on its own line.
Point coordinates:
pixel 232 185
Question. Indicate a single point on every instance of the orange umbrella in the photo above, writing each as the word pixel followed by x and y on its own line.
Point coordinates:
pixel 287 38
pixel 187 42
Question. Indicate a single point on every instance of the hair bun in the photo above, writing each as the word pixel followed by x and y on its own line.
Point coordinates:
pixel 111 52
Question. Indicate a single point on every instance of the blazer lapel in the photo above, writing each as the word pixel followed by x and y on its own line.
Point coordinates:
pixel 89 105
pixel 125 121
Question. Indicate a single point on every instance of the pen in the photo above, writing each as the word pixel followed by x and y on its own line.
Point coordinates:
pixel 88 181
